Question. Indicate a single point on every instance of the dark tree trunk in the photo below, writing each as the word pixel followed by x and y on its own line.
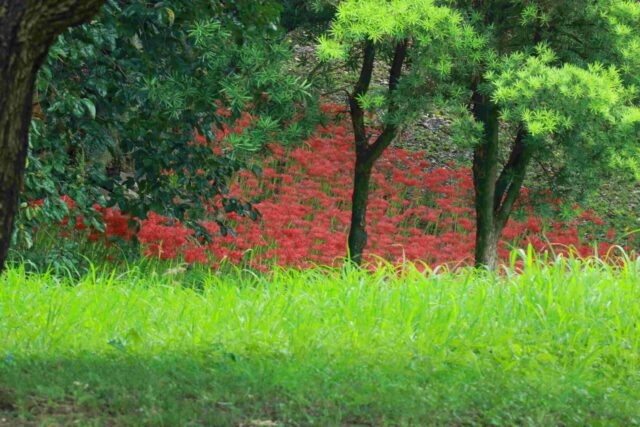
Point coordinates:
pixel 362 174
pixel 495 195
pixel 485 173
pixel 27 30
pixel 511 179
pixel 367 154
pixel 360 200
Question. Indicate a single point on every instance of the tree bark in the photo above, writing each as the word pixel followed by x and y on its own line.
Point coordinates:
pixel 485 174
pixel 367 154
pixel 27 29
pixel 495 196
pixel 358 232
pixel 359 202
pixel 511 179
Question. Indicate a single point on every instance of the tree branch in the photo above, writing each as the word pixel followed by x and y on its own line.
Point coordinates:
pixel 511 194
pixel 390 130
pixel 360 89
pixel 507 174
pixel 61 14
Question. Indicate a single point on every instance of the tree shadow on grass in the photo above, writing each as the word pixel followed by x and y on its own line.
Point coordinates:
pixel 219 388
pixel 130 390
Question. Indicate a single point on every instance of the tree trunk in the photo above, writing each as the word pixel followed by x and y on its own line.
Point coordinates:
pixel 360 200
pixel 367 154
pixel 495 196
pixel 27 30
pixel 485 175
pixel 511 179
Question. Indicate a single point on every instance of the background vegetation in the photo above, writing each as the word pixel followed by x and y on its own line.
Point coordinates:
pixel 119 100
pixel 356 212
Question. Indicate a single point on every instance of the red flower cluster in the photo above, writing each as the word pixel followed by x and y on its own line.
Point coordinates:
pixel 163 239
pixel 416 212
pixel 116 224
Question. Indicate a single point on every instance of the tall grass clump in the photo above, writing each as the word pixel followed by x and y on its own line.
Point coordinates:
pixel 557 343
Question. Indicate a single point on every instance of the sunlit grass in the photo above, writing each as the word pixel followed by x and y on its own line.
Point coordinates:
pixel 554 344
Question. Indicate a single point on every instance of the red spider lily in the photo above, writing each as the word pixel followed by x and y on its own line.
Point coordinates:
pixel 416 212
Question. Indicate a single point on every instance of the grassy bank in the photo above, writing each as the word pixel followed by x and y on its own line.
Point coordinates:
pixel 551 346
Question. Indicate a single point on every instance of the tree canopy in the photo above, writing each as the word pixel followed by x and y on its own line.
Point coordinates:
pixel 122 100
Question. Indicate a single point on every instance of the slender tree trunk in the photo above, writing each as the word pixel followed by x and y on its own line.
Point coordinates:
pixel 367 154
pixel 485 175
pixel 27 30
pixel 511 179
pixel 495 196
pixel 360 197
pixel 360 201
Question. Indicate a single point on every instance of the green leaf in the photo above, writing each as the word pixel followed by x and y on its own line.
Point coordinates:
pixel 90 107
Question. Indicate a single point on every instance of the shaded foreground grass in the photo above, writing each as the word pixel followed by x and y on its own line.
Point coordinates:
pixel 554 345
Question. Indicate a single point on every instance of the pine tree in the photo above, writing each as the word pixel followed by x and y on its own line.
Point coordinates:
pixel 549 81
pixel 394 35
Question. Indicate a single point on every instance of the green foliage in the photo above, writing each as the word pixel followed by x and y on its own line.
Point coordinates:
pixel 398 19
pixel 549 99
pixel 382 21
pixel 436 34
pixel 624 18
pixel 564 71
pixel 119 99
pixel 554 345
pixel 311 15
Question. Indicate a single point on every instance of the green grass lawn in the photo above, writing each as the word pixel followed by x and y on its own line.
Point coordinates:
pixel 551 346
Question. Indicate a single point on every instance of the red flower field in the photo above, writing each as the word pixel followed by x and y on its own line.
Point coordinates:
pixel 416 212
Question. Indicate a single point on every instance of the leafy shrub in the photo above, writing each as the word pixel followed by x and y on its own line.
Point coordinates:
pixel 119 99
